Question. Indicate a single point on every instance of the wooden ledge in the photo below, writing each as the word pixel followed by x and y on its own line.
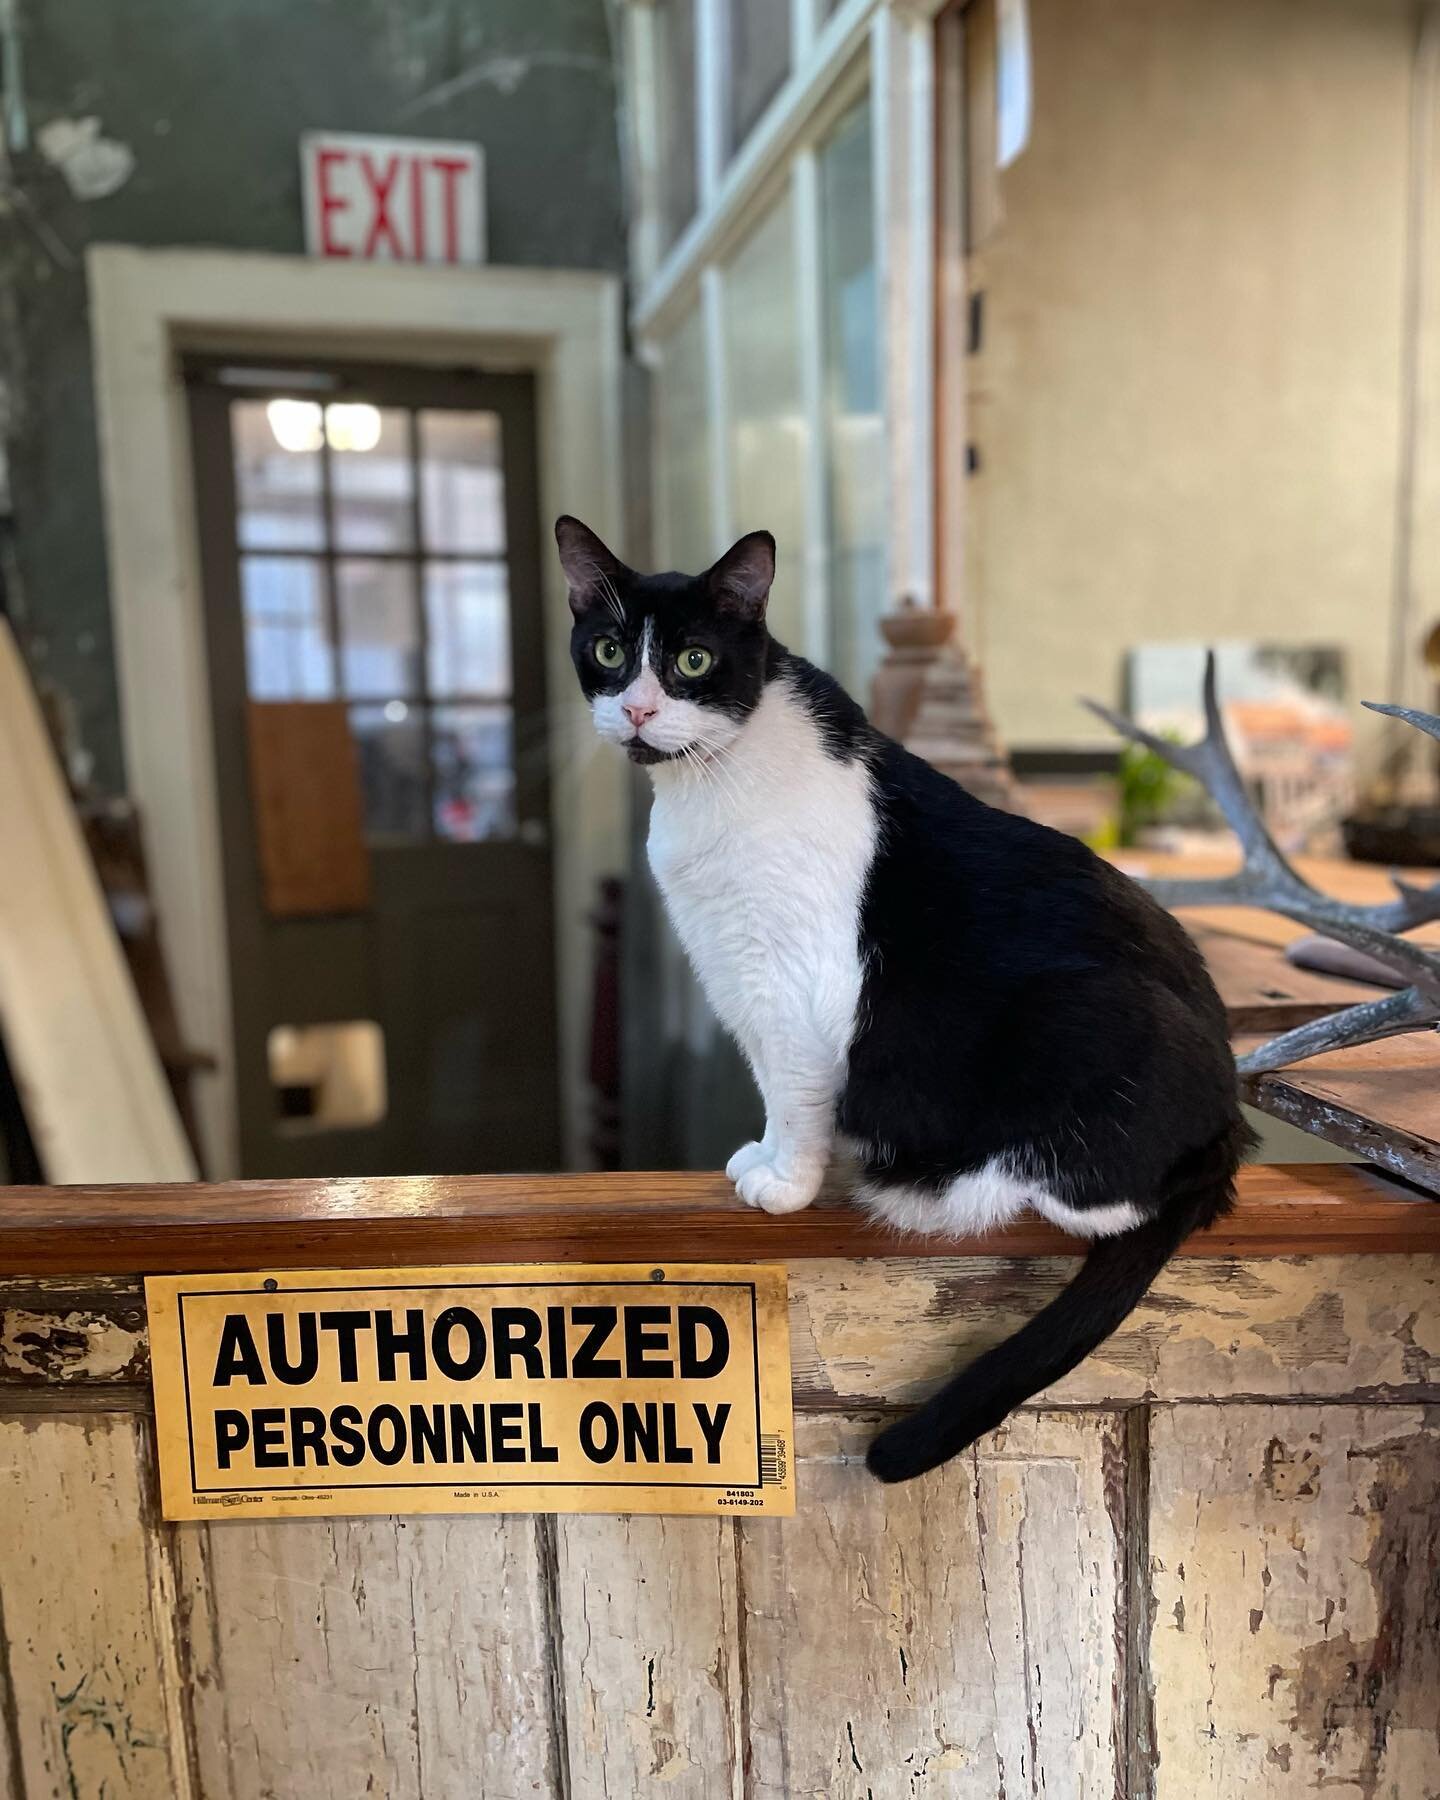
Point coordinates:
pixel 1301 1210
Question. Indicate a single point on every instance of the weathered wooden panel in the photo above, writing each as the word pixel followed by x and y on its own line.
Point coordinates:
pixel 1296 1564
pixel 87 1609
pixel 1356 1327
pixel 956 1636
pixel 864 1333
pixel 10 1778
pixel 337 1658
pixel 68 1332
pixel 649 1656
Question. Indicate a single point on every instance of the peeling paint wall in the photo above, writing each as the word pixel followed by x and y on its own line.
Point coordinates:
pixel 176 122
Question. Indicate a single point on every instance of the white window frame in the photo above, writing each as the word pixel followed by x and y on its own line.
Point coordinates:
pixel 886 46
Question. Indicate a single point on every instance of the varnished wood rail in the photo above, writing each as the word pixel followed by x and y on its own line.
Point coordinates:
pixel 1299 1210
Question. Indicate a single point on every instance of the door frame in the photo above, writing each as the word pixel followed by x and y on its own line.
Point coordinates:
pixel 150 307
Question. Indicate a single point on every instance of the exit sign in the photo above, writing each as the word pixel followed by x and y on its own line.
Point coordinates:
pixel 389 199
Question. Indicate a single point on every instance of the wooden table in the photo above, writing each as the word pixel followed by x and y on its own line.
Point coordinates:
pixel 1380 1100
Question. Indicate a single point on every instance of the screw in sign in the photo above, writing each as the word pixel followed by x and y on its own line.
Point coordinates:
pixel 388 199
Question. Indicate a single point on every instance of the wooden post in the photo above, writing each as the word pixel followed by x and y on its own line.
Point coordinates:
pixel 927 693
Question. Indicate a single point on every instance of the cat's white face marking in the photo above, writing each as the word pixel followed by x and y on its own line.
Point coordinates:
pixel 644 710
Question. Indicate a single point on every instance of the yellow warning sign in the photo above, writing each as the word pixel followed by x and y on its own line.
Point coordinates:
pixel 510 1389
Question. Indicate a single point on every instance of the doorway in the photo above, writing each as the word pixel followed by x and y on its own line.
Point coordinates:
pixel 369 545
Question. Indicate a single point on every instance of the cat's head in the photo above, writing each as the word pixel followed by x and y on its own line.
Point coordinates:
pixel 672 665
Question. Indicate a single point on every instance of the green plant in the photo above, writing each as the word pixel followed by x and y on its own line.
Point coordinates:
pixel 1147 789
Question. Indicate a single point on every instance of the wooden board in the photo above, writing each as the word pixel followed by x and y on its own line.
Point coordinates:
pixel 95 1095
pixel 384 1222
pixel 86 1618
pixel 1263 992
pixel 336 1658
pixel 874 1334
pixel 1381 1100
pixel 884 1332
pixel 649 1657
pixel 1294 1647
pixel 307 806
pixel 910 1640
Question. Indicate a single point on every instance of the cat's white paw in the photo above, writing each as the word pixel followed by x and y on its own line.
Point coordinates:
pixel 772 1192
pixel 746 1158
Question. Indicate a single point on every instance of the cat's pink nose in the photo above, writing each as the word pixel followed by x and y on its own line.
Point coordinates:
pixel 639 711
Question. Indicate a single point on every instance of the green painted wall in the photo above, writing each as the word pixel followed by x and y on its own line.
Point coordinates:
pixel 206 100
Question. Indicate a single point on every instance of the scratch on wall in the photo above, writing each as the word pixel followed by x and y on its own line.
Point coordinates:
pixel 504 73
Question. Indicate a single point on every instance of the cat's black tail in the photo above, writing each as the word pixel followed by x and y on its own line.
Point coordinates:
pixel 1113 1279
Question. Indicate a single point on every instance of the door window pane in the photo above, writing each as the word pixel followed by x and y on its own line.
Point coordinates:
pixel 278 475
pixel 853 422
pixel 467 609
pixel 370 477
pixel 474 772
pixel 461 482
pixel 379 631
pixel 402 607
pixel 758 61
pixel 287 639
pixel 682 449
pixel 675 108
pixel 327 1077
pixel 390 742
pixel 767 418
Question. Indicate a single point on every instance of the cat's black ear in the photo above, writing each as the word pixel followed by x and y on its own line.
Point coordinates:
pixel 591 568
pixel 740 582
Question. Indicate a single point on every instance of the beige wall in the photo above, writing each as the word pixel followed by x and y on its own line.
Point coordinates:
pixel 1187 403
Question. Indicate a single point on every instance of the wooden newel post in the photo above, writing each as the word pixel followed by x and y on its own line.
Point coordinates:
pixel 927 694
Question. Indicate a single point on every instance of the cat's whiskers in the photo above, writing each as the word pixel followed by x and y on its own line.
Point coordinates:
pixel 718 771
pixel 702 767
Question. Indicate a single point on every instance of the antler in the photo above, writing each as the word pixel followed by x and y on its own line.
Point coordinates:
pixel 1267 879
pixel 1411 715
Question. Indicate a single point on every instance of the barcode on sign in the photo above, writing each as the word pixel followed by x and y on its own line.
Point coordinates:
pixel 772 1461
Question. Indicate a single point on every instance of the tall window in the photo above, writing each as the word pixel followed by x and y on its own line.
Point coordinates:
pixel 757 60
pixel 765 337
pixel 676 115
pixel 372 569
pixel 768 434
pixel 684 510
pixel 854 427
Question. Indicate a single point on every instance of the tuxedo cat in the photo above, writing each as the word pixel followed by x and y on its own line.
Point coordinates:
pixel 991 1017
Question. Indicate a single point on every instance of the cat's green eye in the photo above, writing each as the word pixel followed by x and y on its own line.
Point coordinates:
pixel 694 662
pixel 609 654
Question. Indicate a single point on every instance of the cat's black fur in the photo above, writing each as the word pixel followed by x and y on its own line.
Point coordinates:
pixel 1017 991
pixel 1020 990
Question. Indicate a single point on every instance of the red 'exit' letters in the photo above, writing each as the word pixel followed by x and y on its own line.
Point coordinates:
pixel 392 199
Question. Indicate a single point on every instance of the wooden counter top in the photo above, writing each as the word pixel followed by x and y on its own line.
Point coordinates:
pixel 1304 1209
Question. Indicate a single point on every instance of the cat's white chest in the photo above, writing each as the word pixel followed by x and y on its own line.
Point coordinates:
pixel 762 862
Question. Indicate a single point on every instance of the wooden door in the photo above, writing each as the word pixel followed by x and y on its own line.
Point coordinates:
pixel 370 546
